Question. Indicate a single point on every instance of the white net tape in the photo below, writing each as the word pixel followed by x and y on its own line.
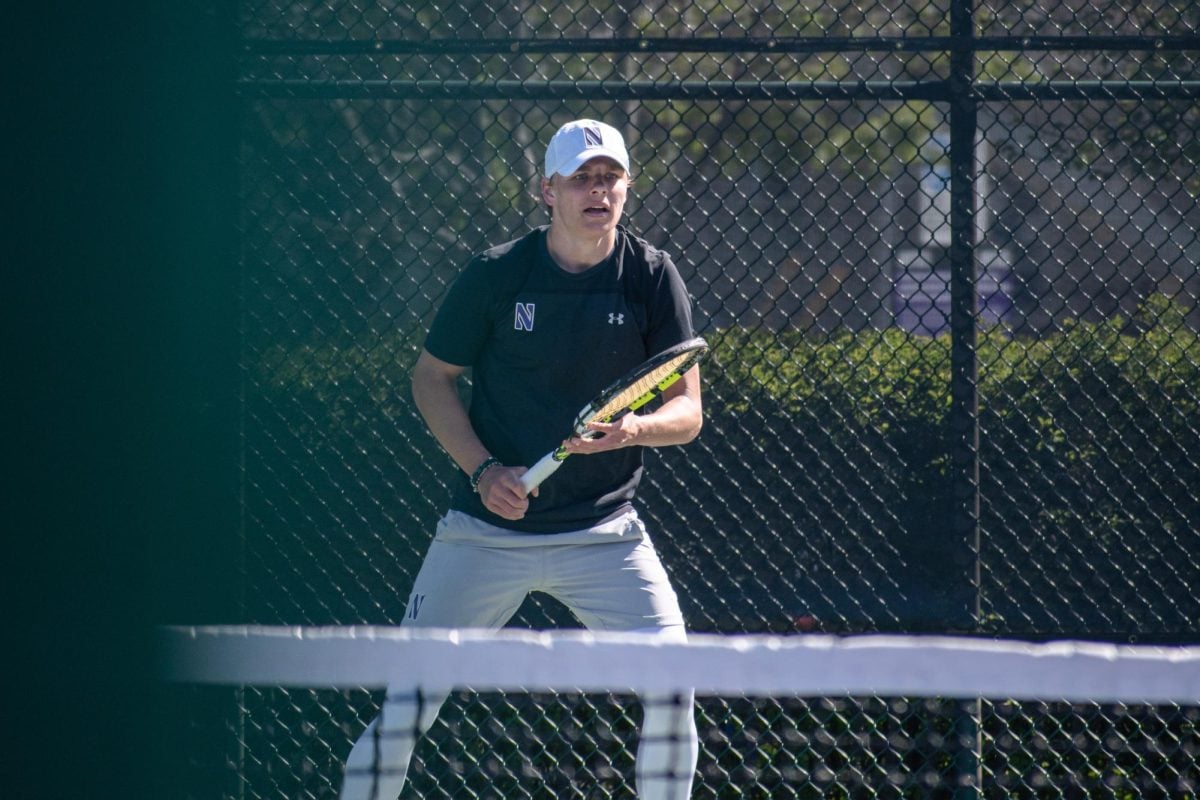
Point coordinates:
pixel 808 665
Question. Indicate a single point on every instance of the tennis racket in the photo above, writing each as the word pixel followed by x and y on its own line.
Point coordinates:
pixel 628 393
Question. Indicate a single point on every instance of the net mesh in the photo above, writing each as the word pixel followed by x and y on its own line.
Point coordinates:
pixel 563 715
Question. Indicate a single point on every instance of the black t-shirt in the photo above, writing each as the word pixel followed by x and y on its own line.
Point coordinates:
pixel 541 342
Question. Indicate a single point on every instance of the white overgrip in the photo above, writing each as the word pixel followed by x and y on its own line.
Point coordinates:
pixel 543 469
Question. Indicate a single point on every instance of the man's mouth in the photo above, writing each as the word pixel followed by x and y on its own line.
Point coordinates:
pixel 596 211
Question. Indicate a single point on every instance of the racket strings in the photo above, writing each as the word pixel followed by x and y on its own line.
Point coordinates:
pixel 627 398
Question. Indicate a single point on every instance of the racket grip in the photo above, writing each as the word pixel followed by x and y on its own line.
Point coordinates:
pixel 543 469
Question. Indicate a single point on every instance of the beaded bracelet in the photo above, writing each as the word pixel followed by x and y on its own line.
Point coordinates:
pixel 477 475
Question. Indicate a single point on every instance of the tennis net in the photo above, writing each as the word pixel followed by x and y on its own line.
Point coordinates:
pixel 581 715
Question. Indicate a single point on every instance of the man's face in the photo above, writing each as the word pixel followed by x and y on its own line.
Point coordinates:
pixel 590 200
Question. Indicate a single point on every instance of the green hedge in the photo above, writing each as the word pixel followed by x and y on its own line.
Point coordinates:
pixel 1088 458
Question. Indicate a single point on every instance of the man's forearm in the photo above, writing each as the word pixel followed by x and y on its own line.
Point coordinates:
pixel 437 400
pixel 677 421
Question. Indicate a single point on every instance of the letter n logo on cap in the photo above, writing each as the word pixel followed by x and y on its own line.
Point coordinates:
pixel 592 137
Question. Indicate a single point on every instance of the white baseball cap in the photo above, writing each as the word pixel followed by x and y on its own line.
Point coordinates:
pixel 580 141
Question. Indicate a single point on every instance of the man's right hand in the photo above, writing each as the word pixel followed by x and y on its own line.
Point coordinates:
pixel 501 491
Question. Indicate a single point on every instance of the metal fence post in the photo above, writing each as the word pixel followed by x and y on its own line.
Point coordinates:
pixel 964 400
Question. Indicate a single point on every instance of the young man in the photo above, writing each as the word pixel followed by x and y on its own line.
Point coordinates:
pixel 544 322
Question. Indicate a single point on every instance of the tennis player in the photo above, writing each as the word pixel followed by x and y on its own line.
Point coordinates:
pixel 545 322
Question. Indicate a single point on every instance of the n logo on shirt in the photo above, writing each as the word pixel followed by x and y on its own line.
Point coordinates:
pixel 523 317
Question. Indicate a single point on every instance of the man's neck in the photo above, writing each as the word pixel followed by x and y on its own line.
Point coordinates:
pixel 577 255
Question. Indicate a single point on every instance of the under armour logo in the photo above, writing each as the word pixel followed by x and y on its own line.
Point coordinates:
pixel 616 319
pixel 523 317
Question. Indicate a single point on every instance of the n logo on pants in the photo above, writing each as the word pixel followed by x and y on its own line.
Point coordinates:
pixel 414 605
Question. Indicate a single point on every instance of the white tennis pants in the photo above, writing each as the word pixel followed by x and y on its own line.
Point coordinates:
pixel 476 575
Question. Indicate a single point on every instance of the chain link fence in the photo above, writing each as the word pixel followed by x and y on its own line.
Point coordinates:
pixel 947 256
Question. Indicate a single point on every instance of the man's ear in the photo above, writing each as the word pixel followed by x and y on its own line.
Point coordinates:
pixel 548 192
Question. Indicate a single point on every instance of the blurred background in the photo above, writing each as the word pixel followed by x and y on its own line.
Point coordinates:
pixel 121 300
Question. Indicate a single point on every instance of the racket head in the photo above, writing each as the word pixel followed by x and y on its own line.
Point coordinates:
pixel 642 384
